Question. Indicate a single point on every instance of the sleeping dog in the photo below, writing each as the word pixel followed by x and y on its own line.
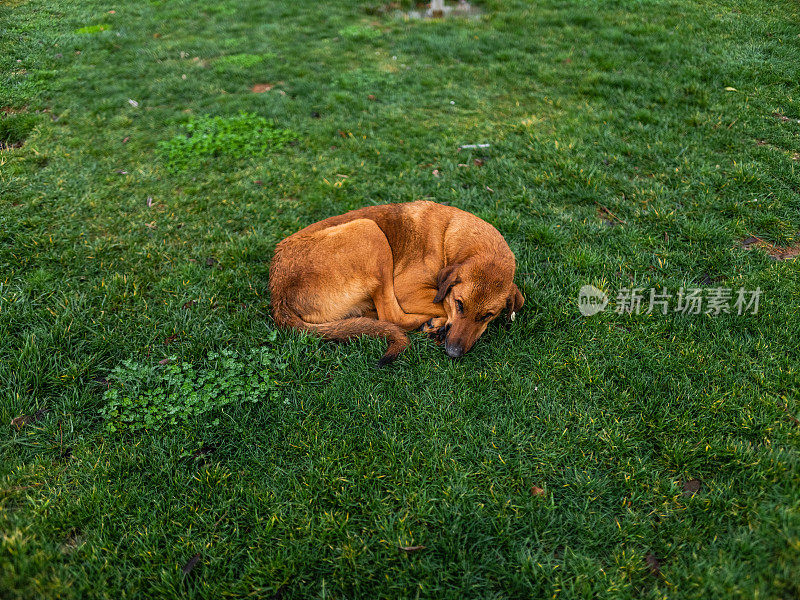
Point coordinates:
pixel 384 270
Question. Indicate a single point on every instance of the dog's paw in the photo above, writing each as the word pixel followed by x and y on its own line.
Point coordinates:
pixel 436 328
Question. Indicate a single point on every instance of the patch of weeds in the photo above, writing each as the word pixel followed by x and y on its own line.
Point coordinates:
pixel 89 29
pixel 149 397
pixel 237 61
pixel 14 130
pixel 359 32
pixel 243 136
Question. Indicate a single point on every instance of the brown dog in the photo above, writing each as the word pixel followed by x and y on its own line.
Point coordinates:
pixel 381 270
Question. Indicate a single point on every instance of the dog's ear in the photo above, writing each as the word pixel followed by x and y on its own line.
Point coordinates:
pixel 446 279
pixel 514 302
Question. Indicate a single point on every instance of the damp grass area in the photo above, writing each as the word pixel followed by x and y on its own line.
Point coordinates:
pixel 158 437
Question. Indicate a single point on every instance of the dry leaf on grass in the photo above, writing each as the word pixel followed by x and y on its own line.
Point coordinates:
pixel 260 88
pixel 21 421
pixel 191 564
pixel 653 564
pixel 691 487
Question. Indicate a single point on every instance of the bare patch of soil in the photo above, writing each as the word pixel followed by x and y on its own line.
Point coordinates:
pixel 776 252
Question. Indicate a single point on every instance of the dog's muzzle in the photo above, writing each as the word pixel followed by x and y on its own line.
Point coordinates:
pixel 454 351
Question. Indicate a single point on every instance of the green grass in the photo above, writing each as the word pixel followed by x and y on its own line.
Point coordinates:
pixel 592 109
pixel 15 128
pixel 209 138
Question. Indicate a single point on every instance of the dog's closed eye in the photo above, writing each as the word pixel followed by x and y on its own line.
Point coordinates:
pixel 459 306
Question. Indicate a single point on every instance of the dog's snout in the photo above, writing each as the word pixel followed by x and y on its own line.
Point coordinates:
pixel 454 351
pixel 452 347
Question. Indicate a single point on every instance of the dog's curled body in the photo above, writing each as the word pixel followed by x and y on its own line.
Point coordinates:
pixel 384 270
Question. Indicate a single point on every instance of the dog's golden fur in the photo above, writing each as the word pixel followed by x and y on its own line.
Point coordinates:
pixel 384 270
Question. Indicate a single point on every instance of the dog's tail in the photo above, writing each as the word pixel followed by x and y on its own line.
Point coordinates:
pixel 348 329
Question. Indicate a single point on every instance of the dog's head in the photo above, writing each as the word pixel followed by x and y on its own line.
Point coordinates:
pixel 473 294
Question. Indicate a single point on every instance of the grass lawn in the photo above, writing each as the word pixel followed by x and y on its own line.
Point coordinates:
pixel 158 438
